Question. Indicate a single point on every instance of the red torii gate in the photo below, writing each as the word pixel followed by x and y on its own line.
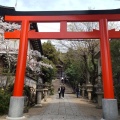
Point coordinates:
pixel 103 34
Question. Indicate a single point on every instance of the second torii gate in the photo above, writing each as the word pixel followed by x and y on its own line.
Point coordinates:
pixel 109 103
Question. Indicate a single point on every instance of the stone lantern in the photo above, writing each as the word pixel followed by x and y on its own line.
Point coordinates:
pixel 79 89
pixel 83 90
pixel 39 92
pixel 89 87
pixel 45 90
pixel 99 92
pixel 39 97
pixel 49 89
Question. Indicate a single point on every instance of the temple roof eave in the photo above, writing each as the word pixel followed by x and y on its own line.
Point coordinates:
pixel 4 10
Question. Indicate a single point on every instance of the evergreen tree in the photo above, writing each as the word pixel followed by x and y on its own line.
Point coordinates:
pixel 50 52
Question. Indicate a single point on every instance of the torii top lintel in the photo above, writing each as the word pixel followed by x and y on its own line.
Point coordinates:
pixel 77 15
pixel 57 16
pixel 63 17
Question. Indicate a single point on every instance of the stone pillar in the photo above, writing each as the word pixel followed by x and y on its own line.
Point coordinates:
pixel 16 108
pixel 110 109
pixel 45 94
pixel 99 97
pixel 89 90
pixel 83 90
pixel 39 97
pixel 89 95
pixel 49 90
pixel 99 92
pixel 79 88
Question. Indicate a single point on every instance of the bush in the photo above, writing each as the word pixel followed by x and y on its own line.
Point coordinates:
pixel 117 94
pixel 4 101
pixel 52 91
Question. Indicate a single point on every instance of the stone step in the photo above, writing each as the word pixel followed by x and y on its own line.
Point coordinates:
pixel 57 83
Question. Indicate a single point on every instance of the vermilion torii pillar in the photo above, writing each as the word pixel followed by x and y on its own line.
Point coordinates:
pixel 22 56
pixel 109 103
pixel 106 58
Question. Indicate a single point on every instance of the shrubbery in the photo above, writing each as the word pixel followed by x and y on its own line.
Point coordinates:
pixel 52 90
pixel 117 94
pixel 4 101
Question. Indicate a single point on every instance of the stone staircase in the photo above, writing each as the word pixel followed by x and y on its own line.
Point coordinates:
pixel 57 83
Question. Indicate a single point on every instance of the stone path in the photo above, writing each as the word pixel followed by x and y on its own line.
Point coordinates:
pixel 69 108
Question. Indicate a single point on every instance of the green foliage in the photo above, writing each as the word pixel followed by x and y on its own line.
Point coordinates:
pixel 80 62
pixel 29 98
pixel 115 53
pixel 52 91
pixel 70 72
pixel 49 73
pixel 74 69
pixel 74 72
pixel 27 91
pixel 117 94
pixel 4 101
pixel 69 58
pixel 50 52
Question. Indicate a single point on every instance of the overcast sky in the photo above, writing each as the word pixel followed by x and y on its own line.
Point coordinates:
pixel 57 5
pixel 48 5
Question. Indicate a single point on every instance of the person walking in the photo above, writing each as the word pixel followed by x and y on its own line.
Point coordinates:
pixel 77 91
pixel 63 91
pixel 59 91
pixel 62 80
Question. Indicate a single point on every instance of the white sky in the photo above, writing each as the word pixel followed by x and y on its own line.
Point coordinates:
pixel 48 5
pixel 51 5
pixel 59 5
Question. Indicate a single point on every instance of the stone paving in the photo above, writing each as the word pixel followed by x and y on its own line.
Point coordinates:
pixel 69 108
